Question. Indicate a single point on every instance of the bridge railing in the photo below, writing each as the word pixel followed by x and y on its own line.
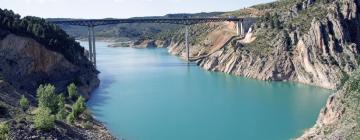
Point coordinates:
pixel 182 21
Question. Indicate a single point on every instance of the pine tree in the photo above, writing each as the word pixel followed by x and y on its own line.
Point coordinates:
pixel 61 114
pixel 70 119
pixel 78 107
pixel 43 119
pixel 72 91
pixel 4 131
pixel 47 98
pixel 24 103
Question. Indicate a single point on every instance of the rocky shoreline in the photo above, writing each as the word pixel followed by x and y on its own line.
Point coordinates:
pixel 25 63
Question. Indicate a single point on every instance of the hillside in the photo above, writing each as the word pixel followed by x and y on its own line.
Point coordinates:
pixel 340 118
pixel 289 42
pixel 33 53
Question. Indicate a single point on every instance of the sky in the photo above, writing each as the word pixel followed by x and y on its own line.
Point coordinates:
pixel 120 8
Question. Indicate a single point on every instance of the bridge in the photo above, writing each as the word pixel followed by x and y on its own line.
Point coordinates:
pixel 91 23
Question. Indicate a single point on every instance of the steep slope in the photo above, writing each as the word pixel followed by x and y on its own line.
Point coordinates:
pixel 340 118
pixel 34 52
pixel 290 41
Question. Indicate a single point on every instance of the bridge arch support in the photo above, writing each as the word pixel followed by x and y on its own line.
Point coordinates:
pixel 92 44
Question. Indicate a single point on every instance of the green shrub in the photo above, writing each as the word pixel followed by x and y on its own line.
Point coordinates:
pixel 47 98
pixel 78 107
pixel 61 100
pixel 4 131
pixel 61 114
pixel 43 119
pixel 70 119
pixel 24 103
pixel 72 91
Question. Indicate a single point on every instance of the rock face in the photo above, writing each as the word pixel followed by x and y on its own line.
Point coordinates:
pixel 26 64
pixel 322 55
pixel 339 119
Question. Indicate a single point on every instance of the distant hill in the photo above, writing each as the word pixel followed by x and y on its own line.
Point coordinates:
pixel 134 31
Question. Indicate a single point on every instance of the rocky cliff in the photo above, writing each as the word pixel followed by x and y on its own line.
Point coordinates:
pixel 306 41
pixel 34 52
pixel 340 118
pixel 25 64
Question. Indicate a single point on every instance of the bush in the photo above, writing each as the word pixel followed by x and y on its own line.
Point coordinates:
pixel 61 114
pixel 4 131
pixel 61 100
pixel 24 103
pixel 70 119
pixel 72 91
pixel 43 119
pixel 47 98
pixel 78 107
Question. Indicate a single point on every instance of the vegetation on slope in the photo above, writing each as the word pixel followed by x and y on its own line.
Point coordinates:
pixel 352 102
pixel 51 110
pixel 281 18
pixel 50 35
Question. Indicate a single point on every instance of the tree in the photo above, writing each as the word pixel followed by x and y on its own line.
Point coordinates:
pixel 43 119
pixel 4 131
pixel 70 119
pixel 78 107
pixel 61 100
pixel 61 114
pixel 24 103
pixel 72 91
pixel 47 98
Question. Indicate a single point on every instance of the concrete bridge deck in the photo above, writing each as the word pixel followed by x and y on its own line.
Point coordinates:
pixel 181 21
pixel 91 23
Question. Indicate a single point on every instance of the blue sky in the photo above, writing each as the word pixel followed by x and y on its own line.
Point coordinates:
pixel 120 8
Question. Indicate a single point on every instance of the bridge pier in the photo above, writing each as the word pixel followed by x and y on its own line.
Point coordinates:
pixel 90 44
pixel 240 28
pixel 187 43
pixel 92 49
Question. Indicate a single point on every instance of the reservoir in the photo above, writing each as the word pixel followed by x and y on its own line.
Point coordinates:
pixel 147 94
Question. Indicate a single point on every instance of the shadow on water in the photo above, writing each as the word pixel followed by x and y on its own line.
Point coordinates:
pixel 100 95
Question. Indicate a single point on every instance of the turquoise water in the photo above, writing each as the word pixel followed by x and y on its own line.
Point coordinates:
pixel 147 94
